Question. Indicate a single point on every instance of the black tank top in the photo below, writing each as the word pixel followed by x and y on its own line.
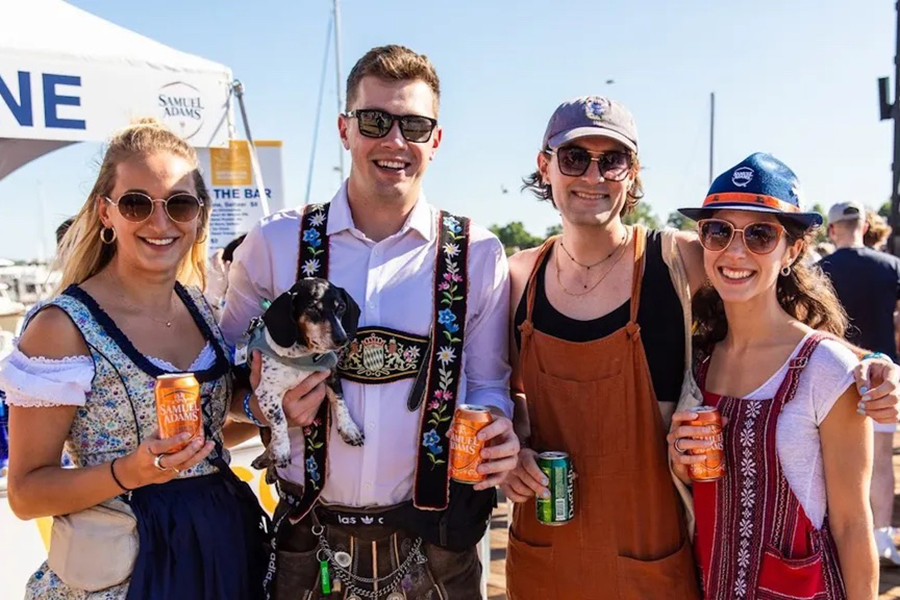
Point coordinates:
pixel 659 315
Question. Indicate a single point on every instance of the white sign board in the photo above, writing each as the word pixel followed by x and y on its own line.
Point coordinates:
pixel 52 99
pixel 233 188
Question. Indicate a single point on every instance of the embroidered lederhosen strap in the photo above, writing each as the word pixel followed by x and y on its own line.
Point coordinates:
pixel 431 490
pixel 381 355
pixel 753 495
pixel 443 361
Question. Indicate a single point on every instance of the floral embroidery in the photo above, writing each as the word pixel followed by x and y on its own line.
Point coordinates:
pixel 746 526
pixel 104 428
pixel 315 217
pixel 311 267
pixel 313 262
pixel 313 443
pixel 448 356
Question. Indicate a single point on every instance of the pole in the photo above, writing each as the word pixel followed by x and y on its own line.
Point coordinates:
pixel 238 89
pixel 712 128
pixel 337 71
pixel 315 133
pixel 893 243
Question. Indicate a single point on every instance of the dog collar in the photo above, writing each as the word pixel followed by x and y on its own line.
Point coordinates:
pixel 256 340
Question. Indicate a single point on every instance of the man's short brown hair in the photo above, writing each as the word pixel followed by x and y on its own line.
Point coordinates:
pixel 393 63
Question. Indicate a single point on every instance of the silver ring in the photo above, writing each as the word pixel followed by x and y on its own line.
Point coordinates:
pixel 677 449
pixel 157 462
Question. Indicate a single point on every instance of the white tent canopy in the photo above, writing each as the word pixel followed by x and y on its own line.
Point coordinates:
pixel 68 76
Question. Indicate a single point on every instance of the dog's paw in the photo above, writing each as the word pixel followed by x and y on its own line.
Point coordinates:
pixel 262 462
pixel 271 476
pixel 354 436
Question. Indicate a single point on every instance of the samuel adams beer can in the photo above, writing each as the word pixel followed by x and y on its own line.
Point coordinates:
pixel 559 508
pixel 713 466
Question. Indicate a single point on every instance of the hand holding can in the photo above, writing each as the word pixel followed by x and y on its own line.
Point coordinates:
pixel 696 444
pixel 465 447
pixel 178 407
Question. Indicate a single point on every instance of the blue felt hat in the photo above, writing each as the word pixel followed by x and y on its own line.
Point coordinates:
pixel 759 183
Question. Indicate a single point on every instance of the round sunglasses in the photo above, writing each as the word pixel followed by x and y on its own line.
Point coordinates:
pixel 137 207
pixel 376 123
pixel 759 238
pixel 574 161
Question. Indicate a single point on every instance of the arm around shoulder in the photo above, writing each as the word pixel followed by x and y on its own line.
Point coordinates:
pixel 692 255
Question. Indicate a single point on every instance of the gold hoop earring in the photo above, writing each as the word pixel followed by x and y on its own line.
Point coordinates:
pixel 103 237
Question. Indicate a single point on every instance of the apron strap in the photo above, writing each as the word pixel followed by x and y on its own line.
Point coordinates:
pixel 530 289
pixel 640 243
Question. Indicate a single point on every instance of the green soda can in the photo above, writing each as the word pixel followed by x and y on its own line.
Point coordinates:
pixel 559 508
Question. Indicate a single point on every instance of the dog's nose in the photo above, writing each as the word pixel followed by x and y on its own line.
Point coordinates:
pixel 340 337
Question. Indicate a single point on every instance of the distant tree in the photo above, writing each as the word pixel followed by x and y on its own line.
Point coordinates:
pixel 680 222
pixel 515 237
pixel 553 230
pixel 885 210
pixel 822 231
pixel 642 215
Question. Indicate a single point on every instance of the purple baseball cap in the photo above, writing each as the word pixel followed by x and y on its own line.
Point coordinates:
pixel 591 116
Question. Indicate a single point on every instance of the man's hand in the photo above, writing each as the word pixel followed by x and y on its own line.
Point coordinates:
pixel 500 454
pixel 878 382
pixel 301 404
pixel 527 480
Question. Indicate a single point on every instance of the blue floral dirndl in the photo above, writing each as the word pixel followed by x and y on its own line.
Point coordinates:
pixel 201 535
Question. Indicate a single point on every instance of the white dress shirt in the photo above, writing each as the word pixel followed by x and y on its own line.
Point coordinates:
pixel 392 281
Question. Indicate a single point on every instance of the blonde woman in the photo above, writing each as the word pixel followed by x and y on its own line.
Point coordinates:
pixel 82 377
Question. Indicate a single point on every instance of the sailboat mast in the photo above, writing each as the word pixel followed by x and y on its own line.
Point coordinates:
pixel 337 71
pixel 712 131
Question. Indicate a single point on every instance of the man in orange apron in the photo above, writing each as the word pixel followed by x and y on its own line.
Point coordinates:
pixel 598 352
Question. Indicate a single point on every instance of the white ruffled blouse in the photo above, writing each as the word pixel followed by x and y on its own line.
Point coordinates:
pixel 43 382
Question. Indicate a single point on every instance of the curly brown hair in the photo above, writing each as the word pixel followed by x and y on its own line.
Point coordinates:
pixel 534 183
pixel 806 294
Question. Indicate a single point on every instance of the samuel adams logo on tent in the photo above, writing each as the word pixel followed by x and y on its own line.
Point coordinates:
pixel 182 108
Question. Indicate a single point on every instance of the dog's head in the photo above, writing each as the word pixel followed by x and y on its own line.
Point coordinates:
pixel 314 314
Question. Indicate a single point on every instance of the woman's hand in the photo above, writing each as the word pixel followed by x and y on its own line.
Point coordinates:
pixel 682 438
pixel 877 382
pixel 527 480
pixel 139 468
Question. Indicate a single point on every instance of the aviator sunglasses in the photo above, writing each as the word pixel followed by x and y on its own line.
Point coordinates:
pixel 574 161
pixel 376 123
pixel 137 206
pixel 759 238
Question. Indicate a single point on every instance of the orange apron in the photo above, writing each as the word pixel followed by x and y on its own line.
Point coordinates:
pixel 595 400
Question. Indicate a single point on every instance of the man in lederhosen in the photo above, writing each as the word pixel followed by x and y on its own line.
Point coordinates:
pixel 383 519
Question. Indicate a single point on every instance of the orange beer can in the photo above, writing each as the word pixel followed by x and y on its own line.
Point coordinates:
pixel 465 447
pixel 178 406
pixel 713 467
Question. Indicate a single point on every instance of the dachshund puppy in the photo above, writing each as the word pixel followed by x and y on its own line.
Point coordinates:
pixel 302 331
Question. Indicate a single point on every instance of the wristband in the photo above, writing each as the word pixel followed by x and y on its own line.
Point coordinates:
pixel 112 472
pixel 249 412
pixel 876 355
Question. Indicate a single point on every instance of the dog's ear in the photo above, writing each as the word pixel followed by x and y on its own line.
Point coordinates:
pixel 350 318
pixel 279 320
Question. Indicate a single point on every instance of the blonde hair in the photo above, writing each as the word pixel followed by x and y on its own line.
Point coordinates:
pixel 82 254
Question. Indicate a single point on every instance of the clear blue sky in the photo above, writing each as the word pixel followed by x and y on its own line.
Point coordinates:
pixel 797 79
